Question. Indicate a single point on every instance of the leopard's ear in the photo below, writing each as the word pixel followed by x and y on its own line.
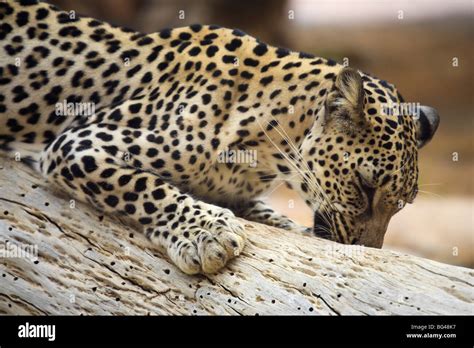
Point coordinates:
pixel 345 103
pixel 349 84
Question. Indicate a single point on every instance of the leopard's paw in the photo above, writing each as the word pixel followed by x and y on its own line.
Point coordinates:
pixel 207 245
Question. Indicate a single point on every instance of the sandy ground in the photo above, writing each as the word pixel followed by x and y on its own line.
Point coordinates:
pixel 439 228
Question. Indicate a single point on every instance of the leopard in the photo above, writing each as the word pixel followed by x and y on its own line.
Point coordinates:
pixel 167 105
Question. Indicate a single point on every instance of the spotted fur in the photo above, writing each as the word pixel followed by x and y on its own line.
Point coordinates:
pixel 169 103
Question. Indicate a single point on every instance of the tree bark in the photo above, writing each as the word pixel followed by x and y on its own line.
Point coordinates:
pixel 90 264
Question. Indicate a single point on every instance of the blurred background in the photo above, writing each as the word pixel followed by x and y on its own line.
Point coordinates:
pixel 424 47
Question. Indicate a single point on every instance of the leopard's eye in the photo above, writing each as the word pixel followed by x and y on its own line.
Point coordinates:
pixel 366 188
pixel 363 182
pixel 386 179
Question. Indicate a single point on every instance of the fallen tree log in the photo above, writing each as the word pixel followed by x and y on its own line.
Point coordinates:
pixel 62 257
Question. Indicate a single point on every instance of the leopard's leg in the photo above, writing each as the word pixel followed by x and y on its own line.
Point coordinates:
pixel 259 211
pixel 197 236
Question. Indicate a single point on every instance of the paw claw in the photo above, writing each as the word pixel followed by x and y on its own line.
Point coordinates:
pixel 186 258
pixel 207 249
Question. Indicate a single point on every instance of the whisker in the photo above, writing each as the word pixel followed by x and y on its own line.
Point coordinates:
pixel 431 193
pixel 314 186
pixel 278 179
pixel 290 171
pixel 312 183
pixel 403 165
pixel 297 170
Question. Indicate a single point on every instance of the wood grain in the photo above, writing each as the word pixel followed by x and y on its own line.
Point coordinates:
pixel 92 264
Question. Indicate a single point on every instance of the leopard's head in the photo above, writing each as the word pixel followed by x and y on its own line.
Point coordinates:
pixel 363 149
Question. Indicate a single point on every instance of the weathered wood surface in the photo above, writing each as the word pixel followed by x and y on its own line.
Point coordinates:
pixel 89 264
